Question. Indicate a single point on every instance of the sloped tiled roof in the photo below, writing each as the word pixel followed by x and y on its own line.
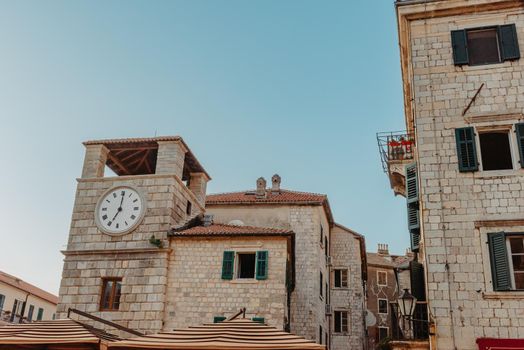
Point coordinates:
pixel 272 198
pixel 284 196
pixel 52 332
pixel 235 334
pixel 229 230
pixel 27 287
pixel 379 260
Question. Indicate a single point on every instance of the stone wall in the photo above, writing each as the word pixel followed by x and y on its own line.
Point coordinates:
pixel 144 280
pixel 307 307
pixel 460 292
pixel 92 255
pixel 197 293
pixel 346 254
pixel 166 199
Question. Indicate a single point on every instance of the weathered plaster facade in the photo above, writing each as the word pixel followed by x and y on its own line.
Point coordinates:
pixel 459 209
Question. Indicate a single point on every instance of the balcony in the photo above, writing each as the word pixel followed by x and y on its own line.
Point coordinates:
pixel 397 149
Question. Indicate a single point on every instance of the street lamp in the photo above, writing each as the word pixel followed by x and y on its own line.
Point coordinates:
pixel 406 303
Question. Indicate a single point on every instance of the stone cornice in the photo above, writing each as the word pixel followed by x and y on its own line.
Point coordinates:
pixel 116 251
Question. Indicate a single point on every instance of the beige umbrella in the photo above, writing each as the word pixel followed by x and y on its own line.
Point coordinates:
pixel 53 335
pixel 235 334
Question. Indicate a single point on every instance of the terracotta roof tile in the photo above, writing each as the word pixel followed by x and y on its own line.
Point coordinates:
pixel 133 140
pixel 284 196
pixel 27 287
pixel 379 260
pixel 230 230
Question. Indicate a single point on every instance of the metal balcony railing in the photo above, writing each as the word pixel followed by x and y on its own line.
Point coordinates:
pixel 413 328
pixel 396 145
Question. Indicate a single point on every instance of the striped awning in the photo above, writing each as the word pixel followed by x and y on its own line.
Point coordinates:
pixel 235 334
pixel 57 332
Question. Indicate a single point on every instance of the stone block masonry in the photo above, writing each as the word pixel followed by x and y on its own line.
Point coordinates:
pixel 196 291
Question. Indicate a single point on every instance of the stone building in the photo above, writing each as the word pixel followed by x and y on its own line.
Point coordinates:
pixel 386 274
pixel 328 298
pixel 22 302
pixel 148 251
pixel 460 163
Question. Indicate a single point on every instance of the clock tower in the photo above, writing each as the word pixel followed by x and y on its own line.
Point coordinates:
pixel 116 261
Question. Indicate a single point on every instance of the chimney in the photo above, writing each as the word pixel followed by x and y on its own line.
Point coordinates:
pixel 383 249
pixel 261 188
pixel 275 183
pixel 208 220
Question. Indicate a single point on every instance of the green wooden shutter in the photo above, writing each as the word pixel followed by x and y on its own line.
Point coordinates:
pixel 415 239
pixel 499 261
pixel 261 273
pixel 411 183
pixel 227 265
pixel 459 43
pixel 509 44
pixel 218 319
pixel 519 129
pixel 417 280
pixel 258 319
pixel 466 149
pixel 413 217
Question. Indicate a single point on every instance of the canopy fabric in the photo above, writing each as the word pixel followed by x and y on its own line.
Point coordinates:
pixel 235 334
pixel 52 332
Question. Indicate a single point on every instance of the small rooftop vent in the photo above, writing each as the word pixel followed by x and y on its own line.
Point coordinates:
pixel 236 222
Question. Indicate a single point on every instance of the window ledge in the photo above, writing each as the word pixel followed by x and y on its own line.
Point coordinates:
pixel 514 294
pixel 244 281
pixel 340 288
pixel 466 68
pixel 486 174
pixel 341 334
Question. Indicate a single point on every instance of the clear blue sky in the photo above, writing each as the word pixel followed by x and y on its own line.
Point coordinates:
pixel 257 87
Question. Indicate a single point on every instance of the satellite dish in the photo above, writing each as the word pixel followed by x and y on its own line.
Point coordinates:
pixel 236 223
pixel 371 320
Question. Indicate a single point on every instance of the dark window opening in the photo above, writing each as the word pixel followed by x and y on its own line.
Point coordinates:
pixel 341 278
pixel 321 284
pixel 382 333
pixel 246 265
pixel 320 334
pixel 382 306
pixel 341 321
pixel 483 46
pixel 111 290
pixel 496 152
pixel 326 250
pixel 188 208
pixel 40 314
pixel 30 313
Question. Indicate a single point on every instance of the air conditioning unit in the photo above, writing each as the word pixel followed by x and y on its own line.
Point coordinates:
pixel 329 310
pixel 329 261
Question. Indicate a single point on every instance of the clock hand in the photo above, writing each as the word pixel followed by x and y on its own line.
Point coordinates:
pixel 119 208
pixel 114 217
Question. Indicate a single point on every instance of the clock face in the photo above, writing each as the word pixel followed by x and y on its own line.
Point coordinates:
pixel 119 210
